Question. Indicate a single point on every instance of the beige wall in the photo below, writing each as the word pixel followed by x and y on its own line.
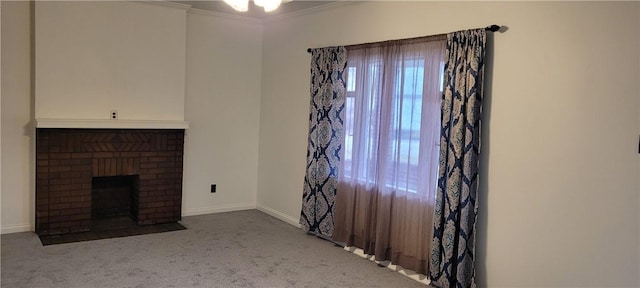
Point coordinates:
pixel 0 121
pixel 223 109
pixel 17 184
pixel 559 194
pixel 94 57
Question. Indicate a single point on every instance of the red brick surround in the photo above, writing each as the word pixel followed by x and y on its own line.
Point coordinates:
pixel 67 159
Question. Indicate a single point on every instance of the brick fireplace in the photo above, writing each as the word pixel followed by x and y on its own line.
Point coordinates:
pixel 71 161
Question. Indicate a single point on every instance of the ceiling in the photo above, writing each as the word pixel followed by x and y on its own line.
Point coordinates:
pixel 255 11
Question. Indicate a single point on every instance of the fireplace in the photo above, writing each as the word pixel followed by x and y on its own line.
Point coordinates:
pixel 113 201
pixel 84 176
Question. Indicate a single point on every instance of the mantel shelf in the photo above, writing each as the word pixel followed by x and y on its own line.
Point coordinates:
pixel 111 124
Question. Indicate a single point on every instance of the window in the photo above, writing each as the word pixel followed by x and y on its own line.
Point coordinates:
pixel 387 176
pixel 392 117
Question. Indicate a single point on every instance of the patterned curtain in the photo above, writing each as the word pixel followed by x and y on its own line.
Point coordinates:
pixel 325 129
pixel 453 246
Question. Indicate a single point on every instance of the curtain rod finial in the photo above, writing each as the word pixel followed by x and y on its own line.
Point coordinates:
pixel 493 28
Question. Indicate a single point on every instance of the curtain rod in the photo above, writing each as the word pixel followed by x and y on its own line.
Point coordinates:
pixel 490 28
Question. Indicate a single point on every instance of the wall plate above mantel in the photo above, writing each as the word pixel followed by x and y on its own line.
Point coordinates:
pixel 111 124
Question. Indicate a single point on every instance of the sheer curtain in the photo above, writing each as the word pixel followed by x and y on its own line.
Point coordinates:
pixel 389 165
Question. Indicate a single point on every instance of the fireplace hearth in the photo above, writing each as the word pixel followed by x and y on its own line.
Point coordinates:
pixel 87 177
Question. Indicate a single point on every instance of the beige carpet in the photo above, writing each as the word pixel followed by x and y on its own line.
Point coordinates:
pixel 235 249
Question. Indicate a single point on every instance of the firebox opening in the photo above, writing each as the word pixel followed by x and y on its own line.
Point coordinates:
pixel 114 202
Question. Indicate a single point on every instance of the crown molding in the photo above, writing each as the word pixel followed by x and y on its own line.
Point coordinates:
pixel 164 3
pixel 307 11
pixel 225 15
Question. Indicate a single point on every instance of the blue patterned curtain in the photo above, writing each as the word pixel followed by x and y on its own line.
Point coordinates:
pixel 453 247
pixel 325 129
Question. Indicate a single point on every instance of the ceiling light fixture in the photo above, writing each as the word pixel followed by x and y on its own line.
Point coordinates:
pixel 243 5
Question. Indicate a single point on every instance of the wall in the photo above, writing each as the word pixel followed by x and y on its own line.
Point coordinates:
pixel 0 118
pixel 17 184
pixel 223 110
pixel 94 57
pixel 559 193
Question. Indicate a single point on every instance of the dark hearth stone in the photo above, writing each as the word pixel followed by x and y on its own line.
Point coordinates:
pixel 102 230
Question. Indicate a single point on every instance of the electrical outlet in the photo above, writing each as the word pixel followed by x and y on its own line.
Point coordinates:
pixel 114 114
pixel 213 188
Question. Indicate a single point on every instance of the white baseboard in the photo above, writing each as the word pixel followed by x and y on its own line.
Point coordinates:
pixel 406 272
pixel 218 209
pixel 15 228
pixel 279 215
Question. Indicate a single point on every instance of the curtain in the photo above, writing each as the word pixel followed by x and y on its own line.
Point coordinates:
pixel 386 188
pixel 452 255
pixel 324 142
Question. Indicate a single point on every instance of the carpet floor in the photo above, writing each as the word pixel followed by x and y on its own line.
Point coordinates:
pixel 234 249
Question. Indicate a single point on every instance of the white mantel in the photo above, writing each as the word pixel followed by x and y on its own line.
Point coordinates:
pixel 110 124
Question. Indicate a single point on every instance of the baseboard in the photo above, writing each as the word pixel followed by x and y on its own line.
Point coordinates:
pixel 279 215
pixel 218 209
pixel 15 228
pixel 406 272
